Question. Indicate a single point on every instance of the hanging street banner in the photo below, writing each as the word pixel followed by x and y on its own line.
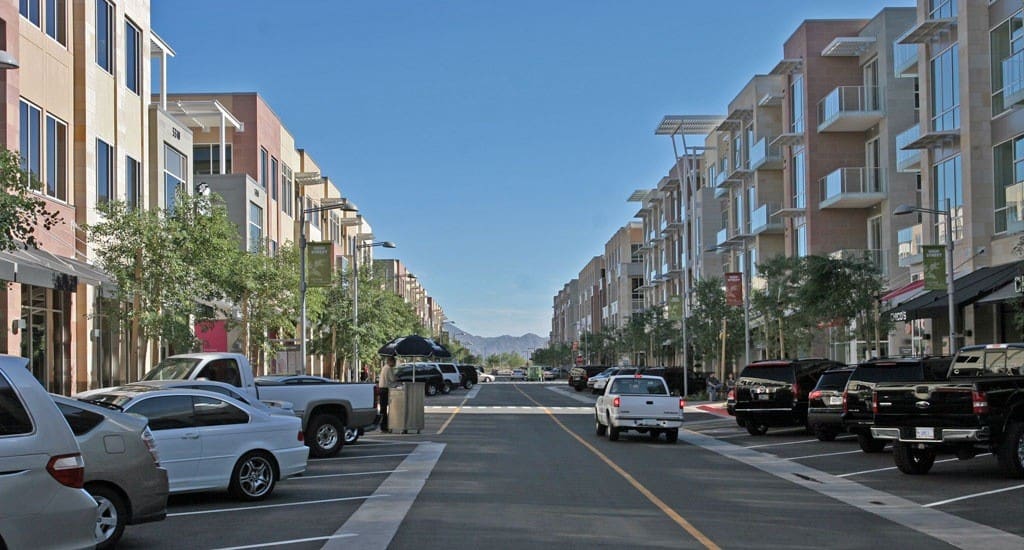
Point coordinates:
pixel 319 267
pixel 675 308
pixel 734 289
pixel 934 266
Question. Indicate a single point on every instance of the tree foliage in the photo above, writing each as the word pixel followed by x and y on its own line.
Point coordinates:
pixel 705 324
pixel 21 210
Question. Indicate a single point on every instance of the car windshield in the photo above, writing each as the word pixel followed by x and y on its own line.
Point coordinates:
pixel 833 380
pixel 174 368
pixel 768 373
pixel 116 401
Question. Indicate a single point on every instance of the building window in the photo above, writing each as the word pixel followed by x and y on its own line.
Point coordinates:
pixel 946 184
pixel 1007 47
pixel 273 178
pixel 29 9
pixel 287 192
pixel 30 120
pixel 800 237
pixel 56 21
pixel 175 165
pixel 104 172
pixel 796 104
pixel 273 247
pixel 941 9
pixel 105 35
pixel 255 227
pixel 132 54
pixel 132 183
pixel 799 179
pixel 56 158
pixel 946 90
pixel 263 168
pixel 1009 185
pixel 206 159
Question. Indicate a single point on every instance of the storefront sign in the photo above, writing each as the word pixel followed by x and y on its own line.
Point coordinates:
pixel 934 266
pixel 734 289
pixel 319 267
pixel 898 316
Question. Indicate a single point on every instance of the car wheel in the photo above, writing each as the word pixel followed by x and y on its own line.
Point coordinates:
pixel 753 428
pixel 431 388
pixel 325 436
pixel 613 432
pixel 253 477
pixel 446 388
pixel 672 435
pixel 869 444
pixel 468 384
pixel 741 423
pixel 913 461
pixel 111 515
pixel 1011 452
pixel 351 435
pixel 600 428
pixel 824 434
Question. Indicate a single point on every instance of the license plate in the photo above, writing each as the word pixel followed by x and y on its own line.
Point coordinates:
pixel 762 396
pixel 649 422
pixel 924 433
pixel 835 400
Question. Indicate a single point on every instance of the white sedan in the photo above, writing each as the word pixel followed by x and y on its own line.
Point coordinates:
pixel 208 441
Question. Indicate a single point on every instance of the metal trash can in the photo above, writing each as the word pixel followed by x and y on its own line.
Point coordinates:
pixel 406 407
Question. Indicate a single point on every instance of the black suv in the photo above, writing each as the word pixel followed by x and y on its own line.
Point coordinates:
pixel 469 375
pixel 426 373
pixel 858 417
pixel 774 392
pixel 578 376
pixel 825 403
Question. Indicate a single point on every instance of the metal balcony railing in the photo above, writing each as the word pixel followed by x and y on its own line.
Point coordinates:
pixel 909 241
pixel 765 156
pixel 1013 79
pixel 721 236
pixel 765 220
pixel 852 188
pixel 908 160
pixel 904 57
pixel 875 256
pixel 850 109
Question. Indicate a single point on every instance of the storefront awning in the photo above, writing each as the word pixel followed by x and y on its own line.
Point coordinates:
pixel 1006 293
pixel 904 293
pixel 37 267
pixel 968 289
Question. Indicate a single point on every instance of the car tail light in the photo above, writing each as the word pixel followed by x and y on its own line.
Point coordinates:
pixel 302 437
pixel 616 402
pixel 846 406
pixel 682 403
pixel 150 441
pixel 816 394
pixel 980 401
pixel 874 402
pixel 67 470
pixel 796 391
pixel 731 395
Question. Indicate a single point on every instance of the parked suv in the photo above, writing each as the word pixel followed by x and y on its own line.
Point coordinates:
pixel 470 377
pixel 428 373
pixel 452 376
pixel 42 502
pixel 858 416
pixel 774 393
pixel 578 376
pixel 825 403
pixel 601 381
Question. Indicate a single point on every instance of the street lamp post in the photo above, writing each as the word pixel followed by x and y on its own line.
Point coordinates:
pixel 950 284
pixel 328 204
pixel 355 299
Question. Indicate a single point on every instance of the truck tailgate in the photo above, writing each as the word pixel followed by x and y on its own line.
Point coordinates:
pixel 924 404
pixel 649 406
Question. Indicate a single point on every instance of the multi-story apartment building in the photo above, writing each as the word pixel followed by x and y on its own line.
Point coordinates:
pixel 591 291
pixel 968 145
pixel 623 275
pixel 565 321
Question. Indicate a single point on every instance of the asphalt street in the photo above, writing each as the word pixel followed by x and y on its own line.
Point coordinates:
pixel 519 466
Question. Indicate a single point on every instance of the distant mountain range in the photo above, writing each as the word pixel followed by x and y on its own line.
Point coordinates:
pixel 493 345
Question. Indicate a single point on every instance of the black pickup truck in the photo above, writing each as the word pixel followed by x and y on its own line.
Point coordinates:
pixel 980 408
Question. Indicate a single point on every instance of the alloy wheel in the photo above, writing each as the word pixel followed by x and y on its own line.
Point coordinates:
pixel 106 519
pixel 327 436
pixel 255 476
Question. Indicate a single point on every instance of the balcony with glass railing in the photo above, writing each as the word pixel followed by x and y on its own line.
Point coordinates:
pixel 766 156
pixel 908 242
pixel 850 109
pixel 852 188
pixel 904 57
pixel 875 256
pixel 1013 79
pixel 765 219
pixel 721 236
pixel 908 160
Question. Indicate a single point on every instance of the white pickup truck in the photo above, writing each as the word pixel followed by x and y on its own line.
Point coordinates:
pixel 328 409
pixel 641 403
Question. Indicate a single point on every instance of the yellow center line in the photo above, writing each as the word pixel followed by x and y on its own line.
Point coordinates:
pixel 665 508
pixel 452 416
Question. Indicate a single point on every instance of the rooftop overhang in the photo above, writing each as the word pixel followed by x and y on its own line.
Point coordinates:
pixel 771 99
pixel 687 125
pixel 639 195
pixel 204 114
pixel 926 30
pixel 788 66
pixel 788 140
pixel 934 139
pixel 157 46
pixel 848 46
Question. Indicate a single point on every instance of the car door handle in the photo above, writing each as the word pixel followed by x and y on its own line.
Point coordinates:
pixel 13 473
pixel 650 402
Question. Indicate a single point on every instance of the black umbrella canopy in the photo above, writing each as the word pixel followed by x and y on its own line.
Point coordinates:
pixel 414 346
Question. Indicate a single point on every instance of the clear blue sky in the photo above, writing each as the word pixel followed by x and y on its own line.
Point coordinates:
pixel 494 142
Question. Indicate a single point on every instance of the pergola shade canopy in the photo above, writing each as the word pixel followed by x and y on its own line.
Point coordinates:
pixel 691 125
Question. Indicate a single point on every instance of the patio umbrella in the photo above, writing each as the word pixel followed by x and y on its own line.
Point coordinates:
pixel 415 346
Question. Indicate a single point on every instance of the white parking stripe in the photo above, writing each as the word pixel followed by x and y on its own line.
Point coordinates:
pixel 377 521
pixel 851 474
pixel 284 542
pixel 265 506
pixel 301 478
pixel 472 393
pixel 975 495
pixel 954 530
pixel 379 443
pixel 360 457
pixel 781 444
pixel 824 454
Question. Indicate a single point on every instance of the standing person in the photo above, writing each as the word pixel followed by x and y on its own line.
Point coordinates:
pixel 384 383
pixel 713 386
pixel 730 383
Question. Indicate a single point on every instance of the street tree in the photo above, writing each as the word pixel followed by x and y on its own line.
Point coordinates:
pixel 709 316
pixel 780 321
pixel 844 293
pixel 21 210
